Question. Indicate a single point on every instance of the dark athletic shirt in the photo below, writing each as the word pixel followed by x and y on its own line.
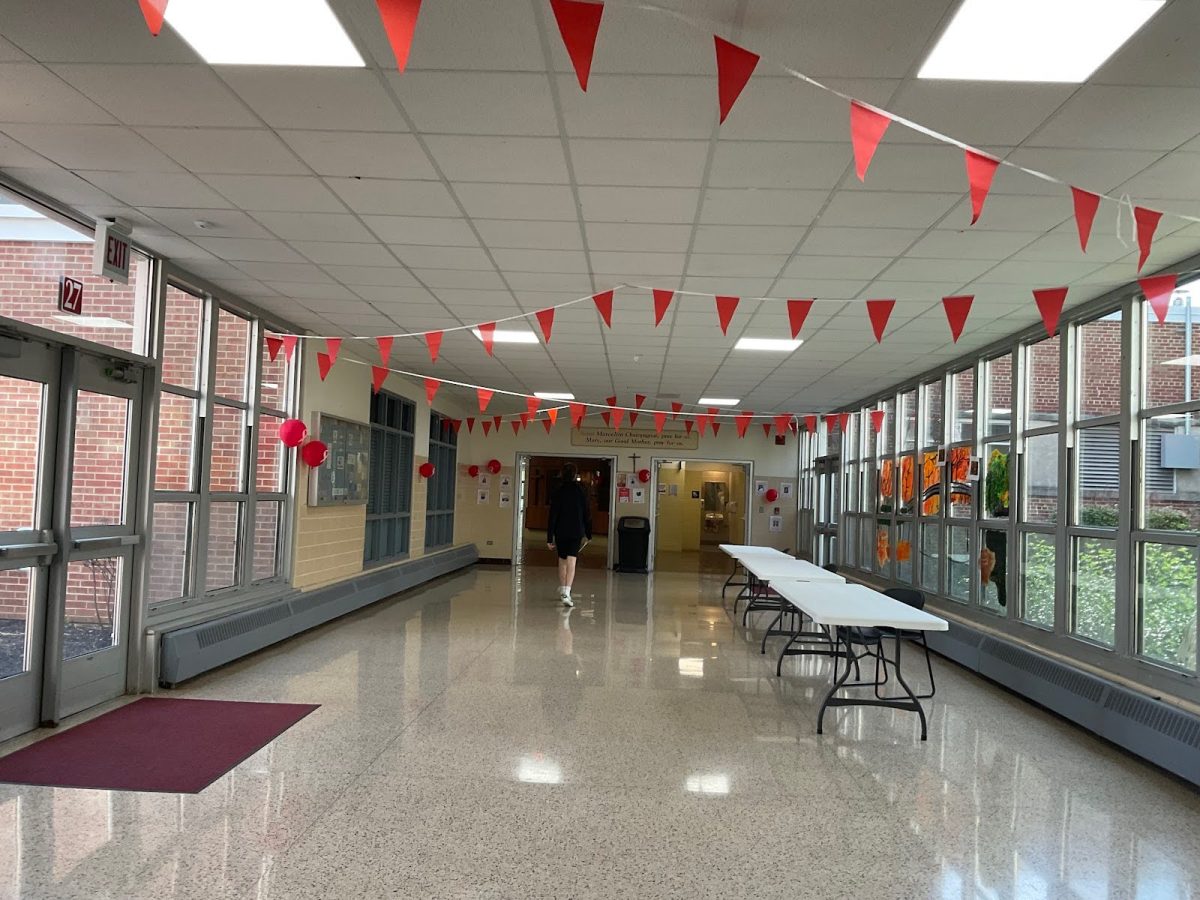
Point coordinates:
pixel 570 515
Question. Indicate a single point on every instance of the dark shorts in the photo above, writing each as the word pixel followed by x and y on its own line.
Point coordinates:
pixel 567 546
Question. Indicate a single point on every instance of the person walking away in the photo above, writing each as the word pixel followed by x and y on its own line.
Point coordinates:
pixel 570 525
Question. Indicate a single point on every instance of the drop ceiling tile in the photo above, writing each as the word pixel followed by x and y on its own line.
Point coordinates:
pixel 382 196
pixel 112 148
pixel 423 230
pixel 172 247
pixel 354 276
pixel 156 189
pixel 529 235
pixel 1011 212
pixel 33 93
pixel 634 204
pixel 443 257
pixel 836 267
pixel 230 151
pixel 517 201
pixel 477 102
pixel 489 37
pixel 284 272
pixel 746 239
pixel 504 159
pixel 309 290
pixel 1122 117
pixel 315 226
pixel 737 287
pixel 858 241
pixel 777 164
pixel 249 250
pixel 1093 169
pixel 397 299
pixel 751 264
pixel 633 237
pixel 886 210
pixel 754 206
pixel 661 264
pixel 563 261
pixel 329 253
pixel 221 223
pixel 971 244
pixel 639 106
pixel 361 154
pixel 1013 109
pixel 316 97
pixel 451 278
pixel 1176 177
pixel 284 193
pixel 570 285
pixel 634 162
pixel 818 288
pixel 1036 274
pixel 948 270
pixel 14 155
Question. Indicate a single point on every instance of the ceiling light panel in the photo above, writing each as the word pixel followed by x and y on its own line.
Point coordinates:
pixel 263 32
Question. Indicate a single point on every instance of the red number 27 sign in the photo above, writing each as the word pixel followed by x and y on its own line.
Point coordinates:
pixel 70 295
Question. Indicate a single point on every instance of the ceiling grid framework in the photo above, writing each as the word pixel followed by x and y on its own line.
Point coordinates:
pixel 482 183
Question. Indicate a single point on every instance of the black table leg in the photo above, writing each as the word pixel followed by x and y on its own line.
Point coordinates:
pixel 837 683
pixel 912 703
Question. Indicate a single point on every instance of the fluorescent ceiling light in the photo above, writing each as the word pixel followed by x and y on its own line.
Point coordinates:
pixel 1034 40
pixel 94 321
pixel 263 32
pixel 718 401
pixel 553 395
pixel 509 337
pixel 777 345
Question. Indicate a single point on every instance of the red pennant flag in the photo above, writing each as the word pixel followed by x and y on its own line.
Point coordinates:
pixel 781 423
pixel 487 333
pixel 456 425
pixel 618 416
pixel 399 21
pixel 830 421
pixel 638 400
pixel 153 12
pixel 470 424
pixel 578 411
pixel 844 422
pixel 726 307
pixel 688 424
pixel 496 422
pixel 552 414
pixel 794 426
pixel 810 422
pixel 1050 303
pixel 957 309
pixel 1158 290
pixel 676 409
pixel 431 389
pixel 660 421
pixel 547 424
pixel 385 348
pixel 289 346
pixel 516 425
pixel 662 300
pixel 866 131
pixel 333 347
pixel 379 375
pixel 712 412
pixel 1086 204
pixel 766 426
pixel 879 311
pixel 525 417
pixel 980 170
pixel 734 68
pixel 487 428
pixel 324 364
pixel 742 421
pixel 545 318
pixel 716 426
pixel 877 417
pixel 579 23
pixel 274 345
pixel 433 340
pixel 1147 222
pixel 604 301
pixel 607 416
pixel 532 404
pixel 797 312
pixel 702 424
pixel 485 397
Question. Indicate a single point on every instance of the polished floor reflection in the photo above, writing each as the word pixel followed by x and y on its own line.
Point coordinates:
pixel 475 741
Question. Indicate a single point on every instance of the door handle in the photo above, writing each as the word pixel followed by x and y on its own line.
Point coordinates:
pixel 108 543
pixel 27 551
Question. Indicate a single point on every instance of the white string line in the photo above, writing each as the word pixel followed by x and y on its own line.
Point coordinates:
pixel 603 407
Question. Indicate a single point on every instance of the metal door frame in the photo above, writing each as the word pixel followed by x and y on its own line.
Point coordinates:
pixel 657 461
pixel 522 460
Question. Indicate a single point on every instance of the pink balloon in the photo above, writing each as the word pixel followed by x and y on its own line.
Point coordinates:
pixel 314 453
pixel 293 432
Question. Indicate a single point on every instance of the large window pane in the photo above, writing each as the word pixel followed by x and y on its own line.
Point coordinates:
pixel 94 588
pixel 1170 472
pixel 889 426
pixel 996 481
pixel 849 544
pixel 904 554
pixel 169 551
pixel 1167 578
pixel 931 556
pixel 175 464
pixel 958 562
pixel 962 488
pixel 272 388
pixel 232 356
pixel 268 473
pixel 907 488
pixel 16 605
pixel 999 418
pixel 962 405
pixel 931 483
pixel 1037 579
pixel 993 569
pixel 266 540
pixel 183 324
pixel 98 470
pixel 908 420
pixel 886 489
pixel 228 447
pixel 1095 589
pixel 389 486
pixel 1171 350
pixel 1098 457
pixel 931 430
pixel 1042 380
pixel 883 547
pixel 224 533
pixel 1041 478
pixel 1099 372
pixel 21 419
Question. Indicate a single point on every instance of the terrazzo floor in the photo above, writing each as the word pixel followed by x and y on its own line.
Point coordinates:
pixel 475 741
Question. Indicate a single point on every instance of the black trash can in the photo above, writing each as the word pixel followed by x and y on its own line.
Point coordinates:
pixel 633 544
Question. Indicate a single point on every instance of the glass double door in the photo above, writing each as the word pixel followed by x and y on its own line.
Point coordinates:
pixel 68 435
pixel 828 479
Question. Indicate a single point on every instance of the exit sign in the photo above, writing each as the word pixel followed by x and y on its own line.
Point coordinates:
pixel 70 295
pixel 112 252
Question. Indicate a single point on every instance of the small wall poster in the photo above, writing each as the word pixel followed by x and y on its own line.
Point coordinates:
pixel 631 480
pixel 505 482
pixel 483 497
pixel 484 480
pixel 760 487
pixel 623 494
pixel 505 500
pixel 775 523
pixel 639 495
pixel 695 495
pixel 786 488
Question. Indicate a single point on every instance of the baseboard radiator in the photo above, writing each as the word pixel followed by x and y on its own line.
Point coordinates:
pixel 186 652
pixel 1156 731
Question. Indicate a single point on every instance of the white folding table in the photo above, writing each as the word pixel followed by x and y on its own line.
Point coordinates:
pixel 853 611
pixel 762 569
pixel 737 552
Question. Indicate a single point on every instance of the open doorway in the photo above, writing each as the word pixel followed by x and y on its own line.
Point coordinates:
pixel 700 504
pixel 540 477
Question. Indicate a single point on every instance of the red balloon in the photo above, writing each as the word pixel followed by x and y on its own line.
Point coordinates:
pixel 314 453
pixel 494 466
pixel 293 432
pixel 644 475
pixel 771 495
pixel 427 469
pixel 473 471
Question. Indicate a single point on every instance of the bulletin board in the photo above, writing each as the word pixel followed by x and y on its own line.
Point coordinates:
pixel 342 479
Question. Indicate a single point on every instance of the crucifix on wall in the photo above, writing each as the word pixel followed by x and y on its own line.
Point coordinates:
pixel 633 458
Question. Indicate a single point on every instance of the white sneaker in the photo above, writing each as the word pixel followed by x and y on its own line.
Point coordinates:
pixel 566 597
